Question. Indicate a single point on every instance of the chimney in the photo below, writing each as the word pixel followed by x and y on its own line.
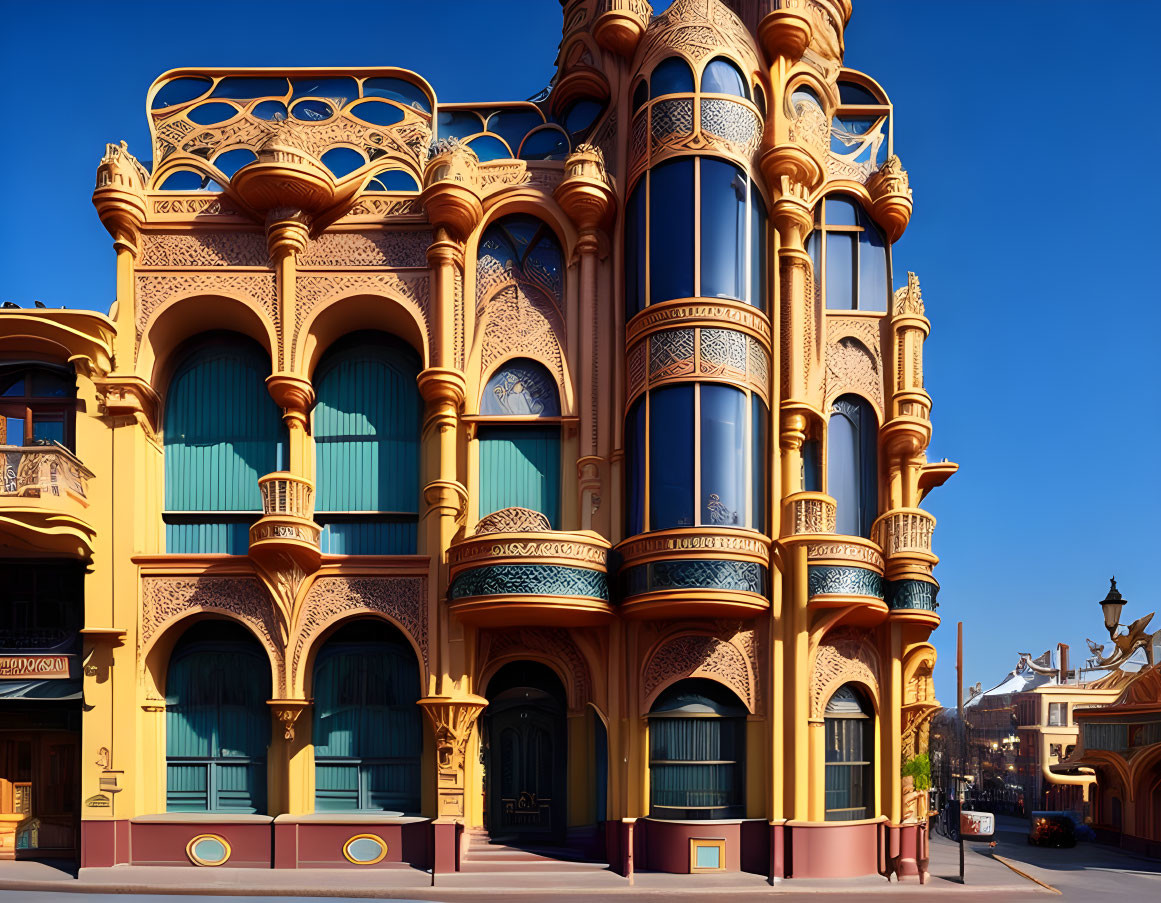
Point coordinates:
pixel 1063 647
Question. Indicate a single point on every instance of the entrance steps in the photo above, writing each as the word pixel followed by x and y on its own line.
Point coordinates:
pixel 481 853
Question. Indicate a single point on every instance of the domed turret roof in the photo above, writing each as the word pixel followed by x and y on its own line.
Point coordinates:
pixel 699 29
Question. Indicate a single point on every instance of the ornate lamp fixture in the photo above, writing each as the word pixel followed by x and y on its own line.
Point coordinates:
pixel 1124 644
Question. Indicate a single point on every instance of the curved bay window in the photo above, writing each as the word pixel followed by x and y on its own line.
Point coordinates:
pixel 852 473
pixel 850 740
pixel 217 722
pixel 695 454
pixel 851 261
pixel 368 736
pixel 222 432
pixel 37 405
pixel 697 747
pixel 519 441
pixel 367 424
pixel 695 227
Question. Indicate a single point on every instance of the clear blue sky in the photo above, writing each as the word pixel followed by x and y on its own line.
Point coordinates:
pixel 1025 127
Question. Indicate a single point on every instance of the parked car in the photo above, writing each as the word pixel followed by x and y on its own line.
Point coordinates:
pixel 1051 829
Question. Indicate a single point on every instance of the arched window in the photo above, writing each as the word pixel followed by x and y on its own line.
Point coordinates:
pixel 852 473
pixel 217 721
pixel 367 423
pixel 851 262
pixel 850 739
pixel 697 749
pixel 860 131
pixel 673 76
pixel 666 439
pixel 520 443
pixel 368 735
pixel 222 432
pixel 524 251
pixel 37 405
pixel 723 77
pixel 729 238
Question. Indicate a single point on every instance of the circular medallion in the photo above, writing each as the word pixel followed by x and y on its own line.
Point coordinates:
pixel 365 849
pixel 208 849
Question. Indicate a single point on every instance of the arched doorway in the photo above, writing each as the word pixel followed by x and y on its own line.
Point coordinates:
pixel 525 754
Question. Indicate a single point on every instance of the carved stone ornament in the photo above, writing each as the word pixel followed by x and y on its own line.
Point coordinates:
pixel 513 520
pixel 699 655
pixel 120 169
pixel 166 600
pixel 908 301
pixel 843 656
pixel 403 600
pixel 452 721
pixel 553 643
pixel 257 290
pixel 287 712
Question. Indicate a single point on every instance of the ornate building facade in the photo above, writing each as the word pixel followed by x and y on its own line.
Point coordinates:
pixel 543 472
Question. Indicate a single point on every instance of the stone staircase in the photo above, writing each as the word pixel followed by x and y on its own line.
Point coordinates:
pixel 483 854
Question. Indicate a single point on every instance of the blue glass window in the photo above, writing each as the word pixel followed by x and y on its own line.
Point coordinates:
pixel 233 160
pixel 581 115
pixel 222 431
pixel 377 113
pixel 342 161
pixel 527 253
pixel 723 77
pixel 367 424
pixel 545 143
pixel 180 90
pixel 671 456
pixel 857 95
pixel 40 397
pixel 759 462
pixel 368 733
pixel 697 749
pixel 724 189
pixel 849 730
pixel 850 256
pixel 399 90
pixel 513 124
pixel 852 464
pixel 393 180
pixel 212 113
pixel 217 722
pixel 489 147
pixel 459 123
pixel 640 95
pixel 520 464
pixel 248 87
pixel 723 456
pixel 635 473
pixel 671 231
pixel 673 76
pixel 757 249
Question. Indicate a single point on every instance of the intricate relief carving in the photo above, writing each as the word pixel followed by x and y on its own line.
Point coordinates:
pixel 316 291
pixel 155 290
pixel 671 353
pixel 554 643
pixel 165 600
pixel 635 369
pixel 733 123
pixel 698 655
pixel 522 320
pixel 402 599
pixel 852 367
pixel 204 249
pixel 843 656
pixel 513 520
pixel 213 205
pixel 814 515
pixel 843 551
pixel 368 249
pixel 908 301
pixel 368 206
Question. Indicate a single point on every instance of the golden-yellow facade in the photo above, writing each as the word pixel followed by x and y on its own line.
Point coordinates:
pixel 296 250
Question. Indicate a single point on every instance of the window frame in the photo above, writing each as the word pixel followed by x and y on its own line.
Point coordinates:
pixel 820 233
pixel 867 764
pixel 27 406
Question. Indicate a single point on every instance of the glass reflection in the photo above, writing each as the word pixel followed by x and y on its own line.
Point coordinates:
pixel 723 230
pixel 671 457
pixel 723 77
pixel 671 231
pixel 723 456
pixel 671 77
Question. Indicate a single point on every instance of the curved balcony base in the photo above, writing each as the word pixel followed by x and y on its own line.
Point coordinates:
pixel 532 611
pixel 35 530
pixel 861 612
pixel 693 603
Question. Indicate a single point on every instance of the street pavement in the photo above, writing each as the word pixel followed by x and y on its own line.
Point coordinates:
pixel 1088 872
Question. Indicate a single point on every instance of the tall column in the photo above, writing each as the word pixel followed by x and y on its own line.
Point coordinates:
pixel 587 197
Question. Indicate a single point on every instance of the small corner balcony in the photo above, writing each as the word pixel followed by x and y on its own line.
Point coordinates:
pixel 44 499
pixel 703 572
pixel 287 526
pixel 514 570
pixel 905 536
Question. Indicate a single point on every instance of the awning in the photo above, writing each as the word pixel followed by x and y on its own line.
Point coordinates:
pixel 41 689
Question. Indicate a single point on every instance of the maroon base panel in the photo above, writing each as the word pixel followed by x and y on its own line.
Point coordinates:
pixel 261 842
pixel 778 850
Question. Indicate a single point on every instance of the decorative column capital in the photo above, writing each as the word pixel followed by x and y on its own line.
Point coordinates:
pixel 294 394
pixel 120 195
pixel 451 192
pixel 452 721
pixel 792 214
pixel 785 33
pixel 287 232
pixel 586 192
pixel 287 712
pixel 442 386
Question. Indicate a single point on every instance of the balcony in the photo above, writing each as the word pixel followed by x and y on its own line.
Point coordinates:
pixel 287 526
pixel 705 572
pixel 515 571
pixel 906 532
pixel 43 501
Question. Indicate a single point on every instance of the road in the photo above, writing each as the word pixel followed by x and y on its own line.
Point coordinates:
pixel 1088 871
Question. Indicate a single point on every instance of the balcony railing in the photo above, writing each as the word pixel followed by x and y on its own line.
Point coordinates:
pixel 284 493
pixel 287 525
pixel 39 471
pixel 905 531
pixel 811 512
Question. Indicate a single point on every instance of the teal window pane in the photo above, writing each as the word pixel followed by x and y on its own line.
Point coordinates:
pixel 707 857
pixel 520 467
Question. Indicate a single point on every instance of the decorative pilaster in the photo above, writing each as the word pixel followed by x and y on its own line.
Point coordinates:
pixel 452 721
pixel 908 431
pixel 586 195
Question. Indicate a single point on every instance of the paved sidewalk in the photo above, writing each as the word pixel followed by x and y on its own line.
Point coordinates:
pixel 984 874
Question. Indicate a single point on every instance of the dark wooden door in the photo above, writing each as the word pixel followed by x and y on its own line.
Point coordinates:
pixel 526 769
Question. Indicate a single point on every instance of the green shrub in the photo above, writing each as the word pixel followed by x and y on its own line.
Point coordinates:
pixel 919 769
